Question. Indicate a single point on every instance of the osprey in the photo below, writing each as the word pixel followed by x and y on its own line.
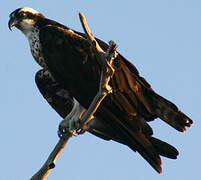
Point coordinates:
pixel 68 58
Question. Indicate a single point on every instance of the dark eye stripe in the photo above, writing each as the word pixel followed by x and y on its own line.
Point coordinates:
pixel 25 14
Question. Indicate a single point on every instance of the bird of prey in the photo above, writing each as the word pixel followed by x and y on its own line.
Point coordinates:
pixel 123 115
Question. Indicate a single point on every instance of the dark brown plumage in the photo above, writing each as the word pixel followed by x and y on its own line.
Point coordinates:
pixel 123 115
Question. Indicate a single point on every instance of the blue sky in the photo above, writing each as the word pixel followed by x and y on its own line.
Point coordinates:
pixel 162 39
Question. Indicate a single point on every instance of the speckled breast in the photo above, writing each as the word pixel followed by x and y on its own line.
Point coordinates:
pixel 35 46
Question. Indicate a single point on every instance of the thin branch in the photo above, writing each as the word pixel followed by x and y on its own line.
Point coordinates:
pixel 50 163
pixel 89 34
pixel 106 61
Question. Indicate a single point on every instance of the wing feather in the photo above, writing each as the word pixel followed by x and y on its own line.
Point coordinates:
pixel 72 63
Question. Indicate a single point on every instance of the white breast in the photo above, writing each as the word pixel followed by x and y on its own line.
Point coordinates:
pixel 34 42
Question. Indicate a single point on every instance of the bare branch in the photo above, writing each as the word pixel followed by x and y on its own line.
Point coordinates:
pixel 50 163
pixel 89 34
pixel 106 61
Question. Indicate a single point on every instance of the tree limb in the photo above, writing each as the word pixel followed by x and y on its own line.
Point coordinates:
pixel 106 61
pixel 50 163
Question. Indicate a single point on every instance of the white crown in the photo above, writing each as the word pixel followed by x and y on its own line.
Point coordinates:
pixel 28 9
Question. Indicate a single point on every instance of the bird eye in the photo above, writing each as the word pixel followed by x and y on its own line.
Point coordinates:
pixel 23 14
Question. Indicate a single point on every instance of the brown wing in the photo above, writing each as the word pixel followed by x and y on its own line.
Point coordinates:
pixel 60 100
pixel 73 64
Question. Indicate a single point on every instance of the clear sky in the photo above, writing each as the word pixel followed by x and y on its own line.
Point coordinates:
pixel 161 37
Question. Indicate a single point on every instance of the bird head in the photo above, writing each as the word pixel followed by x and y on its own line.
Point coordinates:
pixel 24 18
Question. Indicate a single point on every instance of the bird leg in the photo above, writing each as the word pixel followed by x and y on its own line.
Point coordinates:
pixel 72 122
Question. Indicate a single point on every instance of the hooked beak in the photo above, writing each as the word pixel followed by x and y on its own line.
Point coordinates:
pixel 12 22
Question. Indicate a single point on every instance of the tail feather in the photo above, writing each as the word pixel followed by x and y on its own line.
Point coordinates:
pixel 146 149
pixel 155 163
pixel 163 148
pixel 169 113
pixel 136 140
pixel 152 148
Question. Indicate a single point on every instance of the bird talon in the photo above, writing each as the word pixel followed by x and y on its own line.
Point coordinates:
pixel 80 131
pixel 74 133
pixel 77 127
pixel 63 128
